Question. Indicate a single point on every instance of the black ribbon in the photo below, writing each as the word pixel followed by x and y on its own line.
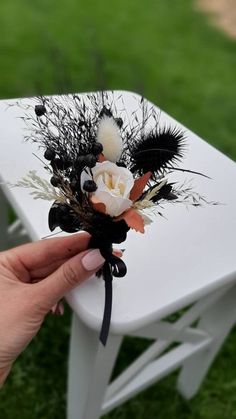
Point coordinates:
pixel 113 266
pixel 107 276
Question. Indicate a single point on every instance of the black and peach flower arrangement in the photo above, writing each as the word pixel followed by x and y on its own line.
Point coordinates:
pixel 108 172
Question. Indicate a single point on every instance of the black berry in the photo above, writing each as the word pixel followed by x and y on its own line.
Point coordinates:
pixel 97 148
pixel 40 110
pixel 55 181
pixel 49 154
pixel 89 186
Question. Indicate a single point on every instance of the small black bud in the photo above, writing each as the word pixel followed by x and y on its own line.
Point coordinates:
pixel 89 186
pixel 55 181
pixel 40 110
pixel 49 154
pixel 105 112
pixel 90 160
pixel 97 148
pixel 119 122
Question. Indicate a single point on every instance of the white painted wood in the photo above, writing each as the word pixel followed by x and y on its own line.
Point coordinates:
pixel 17 234
pixel 15 227
pixel 168 331
pixel 157 348
pixel 217 322
pixel 154 372
pixel 90 367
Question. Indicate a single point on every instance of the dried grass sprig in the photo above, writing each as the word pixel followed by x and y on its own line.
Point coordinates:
pixel 41 188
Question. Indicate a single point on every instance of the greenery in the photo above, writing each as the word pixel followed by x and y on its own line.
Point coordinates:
pixel 167 51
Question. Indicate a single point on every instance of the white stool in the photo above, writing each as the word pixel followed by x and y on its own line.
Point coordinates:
pixel 186 260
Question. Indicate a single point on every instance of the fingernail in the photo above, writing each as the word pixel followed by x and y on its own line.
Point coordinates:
pixel 92 260
pixel 60 309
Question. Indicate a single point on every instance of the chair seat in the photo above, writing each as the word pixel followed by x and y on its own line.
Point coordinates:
pixel 182 256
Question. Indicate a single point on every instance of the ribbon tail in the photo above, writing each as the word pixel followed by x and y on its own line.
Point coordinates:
pixel 107 276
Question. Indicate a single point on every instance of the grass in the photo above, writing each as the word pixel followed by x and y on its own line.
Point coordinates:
pixel 167 51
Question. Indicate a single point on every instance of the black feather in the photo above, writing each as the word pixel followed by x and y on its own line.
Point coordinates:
pixel 156 150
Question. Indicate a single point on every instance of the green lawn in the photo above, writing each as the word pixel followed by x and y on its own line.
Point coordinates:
pixel 165 50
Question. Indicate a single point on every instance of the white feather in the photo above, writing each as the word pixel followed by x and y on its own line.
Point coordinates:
pixel 108 135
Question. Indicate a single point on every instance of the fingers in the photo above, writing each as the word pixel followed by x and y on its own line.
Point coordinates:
pixel 42 272
pixel 67 276
pixel 44 252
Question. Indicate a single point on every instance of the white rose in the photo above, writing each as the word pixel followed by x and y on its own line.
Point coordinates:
pixel 114 184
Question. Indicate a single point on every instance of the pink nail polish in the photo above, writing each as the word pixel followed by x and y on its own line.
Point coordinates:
pixel 92 260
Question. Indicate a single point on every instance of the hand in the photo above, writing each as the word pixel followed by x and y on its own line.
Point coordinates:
pixel 33 278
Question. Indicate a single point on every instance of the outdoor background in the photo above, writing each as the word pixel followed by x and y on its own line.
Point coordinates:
pixel 183 59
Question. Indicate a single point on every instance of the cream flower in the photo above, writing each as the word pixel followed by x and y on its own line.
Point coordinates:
pixel 113 186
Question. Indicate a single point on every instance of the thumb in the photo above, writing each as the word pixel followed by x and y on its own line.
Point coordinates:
pixel 69 275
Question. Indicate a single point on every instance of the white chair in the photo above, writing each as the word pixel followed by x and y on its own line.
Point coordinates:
pixel 184 260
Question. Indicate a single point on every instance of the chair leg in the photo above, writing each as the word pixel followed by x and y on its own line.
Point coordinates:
pixel 90 367
pixel 217 321
pixel 3 222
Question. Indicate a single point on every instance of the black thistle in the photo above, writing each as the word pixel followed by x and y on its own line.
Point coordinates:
pixel 157 151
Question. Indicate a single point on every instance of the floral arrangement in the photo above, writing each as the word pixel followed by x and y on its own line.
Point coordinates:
pixel 108 173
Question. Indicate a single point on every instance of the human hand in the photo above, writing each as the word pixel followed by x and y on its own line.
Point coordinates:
pixel 33 278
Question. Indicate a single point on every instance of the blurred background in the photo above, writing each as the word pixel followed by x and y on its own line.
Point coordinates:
pixel 181 55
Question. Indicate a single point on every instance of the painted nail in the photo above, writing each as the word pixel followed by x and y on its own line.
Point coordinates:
pixel 92 260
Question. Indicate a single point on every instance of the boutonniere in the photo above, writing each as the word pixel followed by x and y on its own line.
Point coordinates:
pixel 108 173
